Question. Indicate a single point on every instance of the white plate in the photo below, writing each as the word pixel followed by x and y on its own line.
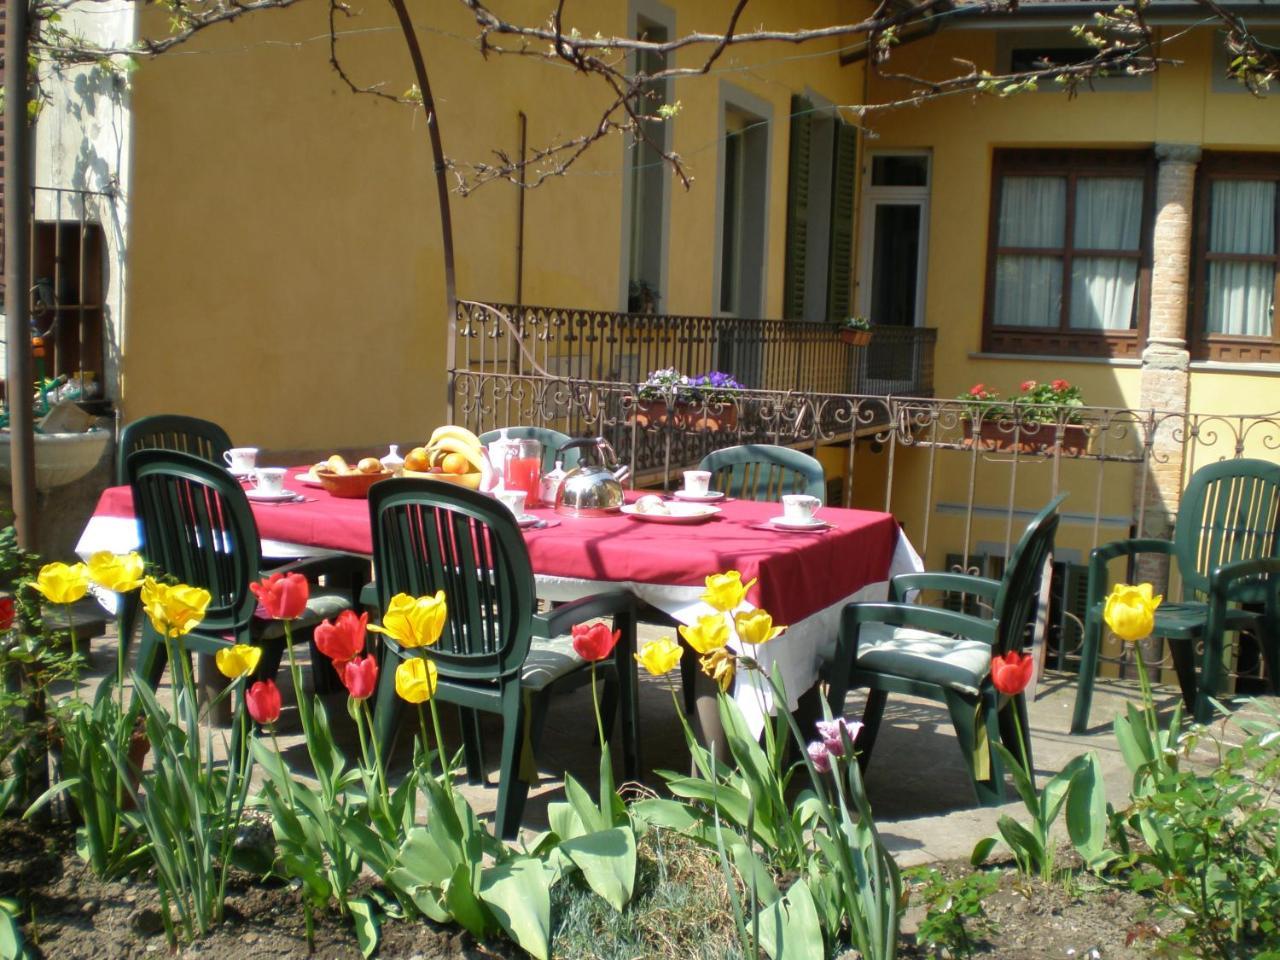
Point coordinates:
pixel 528 520
pixel 677 513
pixel 710 497
pixel 263 497
pixel 783 523
pixel 309 479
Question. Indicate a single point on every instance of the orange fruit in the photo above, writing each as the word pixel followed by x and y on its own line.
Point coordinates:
pixel 455 463
pixel 417 460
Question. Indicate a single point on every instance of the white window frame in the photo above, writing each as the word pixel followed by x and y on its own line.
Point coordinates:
pixel 873 196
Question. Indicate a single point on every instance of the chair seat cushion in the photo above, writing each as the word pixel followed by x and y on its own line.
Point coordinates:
pixel 548 661
pixel 958 663
pixel 321 605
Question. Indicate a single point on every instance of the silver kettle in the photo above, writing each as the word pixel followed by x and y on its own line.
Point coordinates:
pixel 593 487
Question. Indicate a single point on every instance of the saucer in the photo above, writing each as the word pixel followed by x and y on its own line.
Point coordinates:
pixel 309 479
pixel 710 496
pixel 676 513
pixel 262 496
pixel 783 523
pixel 528 520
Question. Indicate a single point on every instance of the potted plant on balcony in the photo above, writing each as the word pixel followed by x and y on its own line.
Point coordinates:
pixel 1043 418
pixel 662 392
pixel 714 401
pixel 855 331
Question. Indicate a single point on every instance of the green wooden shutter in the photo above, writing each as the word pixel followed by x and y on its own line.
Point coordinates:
pixel 797 207
pixel 844 182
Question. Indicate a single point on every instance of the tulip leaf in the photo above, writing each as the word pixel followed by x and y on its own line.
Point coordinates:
pixel 518 893
pixel 421 855
pixel 660 812
pixel 789 927
pixel 1021 782
pixel 1087 814
pixel 583 805
pixel 607 859
pixel 463 903
pixel 368 931
pixel 982 849
pixel 564 820
pixel 755 875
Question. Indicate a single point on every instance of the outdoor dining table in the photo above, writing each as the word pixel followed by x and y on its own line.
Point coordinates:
pixel 803 578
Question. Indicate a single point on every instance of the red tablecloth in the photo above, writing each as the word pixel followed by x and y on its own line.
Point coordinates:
pixel 799 573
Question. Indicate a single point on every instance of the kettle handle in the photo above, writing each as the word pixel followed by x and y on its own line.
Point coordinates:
pixel 596 444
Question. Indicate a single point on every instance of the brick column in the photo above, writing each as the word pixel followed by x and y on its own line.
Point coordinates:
pixel 1165 360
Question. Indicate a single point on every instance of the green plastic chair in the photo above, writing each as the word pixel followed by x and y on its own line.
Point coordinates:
pixel 1226 544
pixel 197 526
pixel 760 471
pixel 551 440
pixel 496 653
pixel 945 655
pixel 167 431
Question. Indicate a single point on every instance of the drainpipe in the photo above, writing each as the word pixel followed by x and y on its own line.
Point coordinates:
pixel 17 270
pixel 520 192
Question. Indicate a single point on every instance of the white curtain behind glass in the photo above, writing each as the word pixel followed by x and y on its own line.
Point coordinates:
pixel 1239 297
pixel 1029 288
pixel 1108 217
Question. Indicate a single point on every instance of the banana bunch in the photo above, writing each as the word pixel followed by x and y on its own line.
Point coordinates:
pixel 457 440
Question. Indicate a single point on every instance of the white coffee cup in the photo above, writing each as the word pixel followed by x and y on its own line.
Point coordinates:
pixel 269 480
pixel 697 482
pixel 799 507
pixel 241 459
pixel 513 500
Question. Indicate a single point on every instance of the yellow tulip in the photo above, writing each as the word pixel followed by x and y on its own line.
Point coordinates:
pixel 414 621
pixel 1130 611
pixel 61 583
pixel 725 591
pixel 719 665
pixel 416 680
pixel 659 657
pixel 709 633
pixel 238 661
pixel 756 627
pixel 119 572
pixel 175 610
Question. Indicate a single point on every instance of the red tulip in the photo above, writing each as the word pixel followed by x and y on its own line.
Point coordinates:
pixel 263 701
pixel 1012 672
pixel 360 677
pixel 594 641
pixel 282 595
pixel 342 640
pixel 6 613
pixel 1060 385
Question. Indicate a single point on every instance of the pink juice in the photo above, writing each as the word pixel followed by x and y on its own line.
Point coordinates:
pixel 523 473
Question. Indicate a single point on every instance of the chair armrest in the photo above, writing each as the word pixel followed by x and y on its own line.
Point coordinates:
pixel 1221 579
pixel 350 570
pixel 912 615
pixel 947 582
pixel 1098 559
pixel 559 621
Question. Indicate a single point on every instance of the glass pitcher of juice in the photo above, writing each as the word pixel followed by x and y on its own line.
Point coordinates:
pixel 522 469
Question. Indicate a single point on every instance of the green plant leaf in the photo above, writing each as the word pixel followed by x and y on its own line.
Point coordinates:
pixel 982 849
pixel 365 917
pixel 462 902
pixel 583 805
pixel 1087 813
pixel 518 893
pixel 607 859
pixel 789 927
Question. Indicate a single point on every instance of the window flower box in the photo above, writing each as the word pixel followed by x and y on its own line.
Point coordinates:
pixel 1010 436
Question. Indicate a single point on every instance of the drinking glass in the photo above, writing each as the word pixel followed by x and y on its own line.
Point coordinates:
pixel 522 469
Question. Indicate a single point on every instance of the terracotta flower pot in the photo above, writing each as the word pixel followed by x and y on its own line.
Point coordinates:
pixel 1004 437
pixel 856 338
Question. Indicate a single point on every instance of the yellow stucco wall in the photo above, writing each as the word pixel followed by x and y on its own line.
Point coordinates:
pixel 286 276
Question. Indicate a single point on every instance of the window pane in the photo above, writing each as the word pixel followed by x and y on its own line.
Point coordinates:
pixel 901 171
pixel 1028 291
pixel 1102 291
pixel 1108 213
pixel 1033 212
pixel 1242 217
pixel 1239 298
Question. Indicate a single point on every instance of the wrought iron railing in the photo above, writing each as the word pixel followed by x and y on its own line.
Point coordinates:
pixel 777 355
pixel 962 483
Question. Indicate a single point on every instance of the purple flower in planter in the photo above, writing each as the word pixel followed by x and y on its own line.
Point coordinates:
pixel 715 385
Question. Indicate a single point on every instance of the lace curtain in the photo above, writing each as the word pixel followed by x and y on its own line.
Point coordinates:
pixel 1033 213
pixel 1239 296
pixel 1108 217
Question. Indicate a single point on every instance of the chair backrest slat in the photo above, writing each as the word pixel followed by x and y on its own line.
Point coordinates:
pixel 197 527
pixel 1020 587
pixel 200 438
pixel 1229 511
pixel 430 535
pixel 759 471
